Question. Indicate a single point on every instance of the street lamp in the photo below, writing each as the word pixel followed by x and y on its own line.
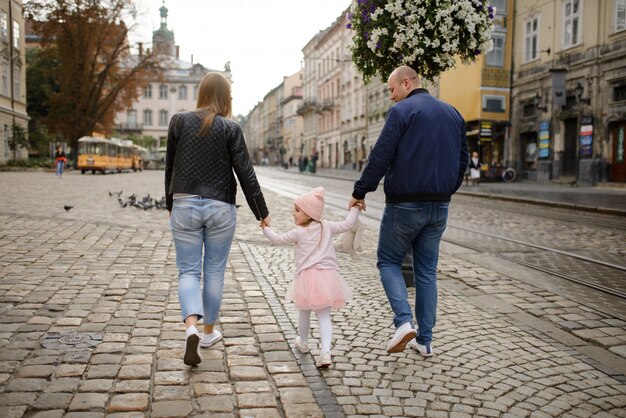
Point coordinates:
pixel 537 101
pixel 579 92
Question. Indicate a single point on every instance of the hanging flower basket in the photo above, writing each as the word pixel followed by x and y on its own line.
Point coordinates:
pixel 425 34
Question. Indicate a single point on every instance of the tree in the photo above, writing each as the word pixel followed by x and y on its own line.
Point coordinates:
pixel 18 139
pixel 97 75
pixel 42 69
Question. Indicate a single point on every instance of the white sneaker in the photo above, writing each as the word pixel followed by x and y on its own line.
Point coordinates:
pixel 425 350
pixel 192 357
pixel 404 333
pixel 324 361
pixel 209 339
pixel 303 348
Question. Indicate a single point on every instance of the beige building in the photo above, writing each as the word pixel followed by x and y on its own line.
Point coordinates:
pixel 292 121
pixel 174 91
pixel 569 90
pixel 13 71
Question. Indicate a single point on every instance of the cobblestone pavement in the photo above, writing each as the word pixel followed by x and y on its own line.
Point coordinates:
pixel 90 325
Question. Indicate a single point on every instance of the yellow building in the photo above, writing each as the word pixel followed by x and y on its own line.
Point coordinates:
pixel 481 92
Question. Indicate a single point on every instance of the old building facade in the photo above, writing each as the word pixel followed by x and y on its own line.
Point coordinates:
pixel 569 90
pixel 173 91
pixel 13 82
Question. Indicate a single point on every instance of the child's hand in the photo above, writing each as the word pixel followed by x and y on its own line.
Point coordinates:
pixel 265 222
pixel 359 203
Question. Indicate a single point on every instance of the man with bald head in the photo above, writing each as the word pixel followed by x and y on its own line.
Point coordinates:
pixel 422 153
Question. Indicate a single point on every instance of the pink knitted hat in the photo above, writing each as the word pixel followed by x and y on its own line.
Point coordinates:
pixel 312 203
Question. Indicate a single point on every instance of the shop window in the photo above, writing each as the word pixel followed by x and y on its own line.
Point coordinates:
pixel 493 103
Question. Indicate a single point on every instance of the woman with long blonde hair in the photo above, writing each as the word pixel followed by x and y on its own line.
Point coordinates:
pixel 204 148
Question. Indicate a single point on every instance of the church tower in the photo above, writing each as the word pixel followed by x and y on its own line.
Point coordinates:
pixel 163 38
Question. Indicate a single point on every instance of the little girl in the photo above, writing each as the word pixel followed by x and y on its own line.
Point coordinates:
pixel 317 286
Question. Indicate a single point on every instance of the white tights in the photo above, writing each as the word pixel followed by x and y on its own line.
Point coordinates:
pixel 326 327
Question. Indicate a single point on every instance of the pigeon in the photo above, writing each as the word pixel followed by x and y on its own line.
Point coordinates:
pixel 66 207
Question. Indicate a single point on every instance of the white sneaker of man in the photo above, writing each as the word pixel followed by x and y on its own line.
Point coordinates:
pixel 425 350
pixel 404 333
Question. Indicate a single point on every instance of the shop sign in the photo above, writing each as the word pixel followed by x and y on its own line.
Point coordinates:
pixel 585 144
pixel 544 139
pixel 485 130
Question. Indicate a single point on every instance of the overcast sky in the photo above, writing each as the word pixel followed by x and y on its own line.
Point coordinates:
pixel 262 39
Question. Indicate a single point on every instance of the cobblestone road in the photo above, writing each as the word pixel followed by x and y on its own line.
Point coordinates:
pixel 90 325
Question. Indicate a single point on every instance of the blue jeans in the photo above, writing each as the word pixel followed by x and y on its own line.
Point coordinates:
pixel 416 227
pixel 198 223
pixel 60 165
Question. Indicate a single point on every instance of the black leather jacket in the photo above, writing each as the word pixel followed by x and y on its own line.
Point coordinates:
pixel 204 165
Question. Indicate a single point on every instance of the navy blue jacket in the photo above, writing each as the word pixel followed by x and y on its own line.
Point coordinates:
pixel 421 152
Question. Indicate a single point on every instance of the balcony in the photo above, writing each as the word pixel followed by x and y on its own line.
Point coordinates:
pixel 307 106
pixel 129 127
pixel 328 104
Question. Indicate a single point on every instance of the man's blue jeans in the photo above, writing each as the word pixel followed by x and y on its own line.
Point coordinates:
pixel 198 223
pixel 416 227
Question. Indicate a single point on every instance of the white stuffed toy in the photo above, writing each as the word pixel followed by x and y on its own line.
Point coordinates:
pixel 350 241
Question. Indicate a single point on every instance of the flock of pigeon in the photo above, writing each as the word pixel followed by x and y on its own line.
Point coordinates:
pixel 145 203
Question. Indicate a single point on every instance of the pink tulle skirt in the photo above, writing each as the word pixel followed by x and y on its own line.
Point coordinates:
pixel 316 289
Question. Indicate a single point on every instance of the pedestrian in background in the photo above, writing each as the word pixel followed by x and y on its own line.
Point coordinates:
pixel 60 159
pixel 204 148
pixel 422 153
pixel 318 285
pixel 474 166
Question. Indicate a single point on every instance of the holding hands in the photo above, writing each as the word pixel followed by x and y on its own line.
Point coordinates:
pixel 359 203
pixel 265 222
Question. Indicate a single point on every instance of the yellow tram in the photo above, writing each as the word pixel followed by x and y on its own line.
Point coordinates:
pixel 102 154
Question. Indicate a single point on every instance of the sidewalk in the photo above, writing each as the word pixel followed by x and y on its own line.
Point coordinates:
pixel 609 200
pixel 90 325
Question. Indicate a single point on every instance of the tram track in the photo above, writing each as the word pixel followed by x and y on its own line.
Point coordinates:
pixel 587 271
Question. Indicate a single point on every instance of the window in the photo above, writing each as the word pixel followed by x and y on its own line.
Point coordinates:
pixel 147 117
pixel 5 79
pixel 529 109
pixel 531 35
pixel 493 103
pixel 131 117
pixel 163 120
pixel 16 35
pixel 571 23
pixel 147 93
pixel 182 92
pixel 619 93
pixel 4 25
pixel 620 15
pixel 495 57
pixel 195 92
pixel 500 6
pixel 162 91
